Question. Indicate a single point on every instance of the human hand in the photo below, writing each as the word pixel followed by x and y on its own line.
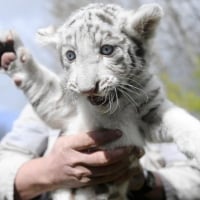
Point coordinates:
pixel 70 165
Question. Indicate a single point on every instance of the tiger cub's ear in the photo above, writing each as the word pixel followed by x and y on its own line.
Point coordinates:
pixel 48 36
pixel 143 22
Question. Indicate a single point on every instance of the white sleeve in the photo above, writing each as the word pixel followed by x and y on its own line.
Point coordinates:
pixel 181 181
pixel 28 139
pixel 180 176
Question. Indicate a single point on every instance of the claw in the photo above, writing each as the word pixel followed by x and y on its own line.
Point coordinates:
pixel 23 58
pixel 9 36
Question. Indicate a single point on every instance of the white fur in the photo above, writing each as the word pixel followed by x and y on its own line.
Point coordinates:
pixel 66 107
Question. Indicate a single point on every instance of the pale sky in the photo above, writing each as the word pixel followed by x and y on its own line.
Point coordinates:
pixel 25 17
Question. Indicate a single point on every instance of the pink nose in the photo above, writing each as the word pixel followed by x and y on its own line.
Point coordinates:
pixel 91 91
pixel 88 92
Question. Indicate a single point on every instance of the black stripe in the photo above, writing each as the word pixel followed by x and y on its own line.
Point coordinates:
pixel 119 60
pixel 61 99
pixel 44 93
pixel 89 26
pixel 40 100
pixel 81 28
pixel 142 131
pixel 104 18
pixel 72 22
pixel 152 116
pixel 151 96
pixel 130 53
pixel 90 16
pixel 140 51
pixel 26 87
pixel 107 11
pixel 138 72
pixel 61 56
pixel 75 39
pixel 145 81
pixel 103 32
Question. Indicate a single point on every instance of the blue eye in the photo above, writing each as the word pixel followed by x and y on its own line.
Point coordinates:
pixel 70 55
pixel 107 49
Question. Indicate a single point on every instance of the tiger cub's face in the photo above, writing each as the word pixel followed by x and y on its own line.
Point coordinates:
pixel 102 49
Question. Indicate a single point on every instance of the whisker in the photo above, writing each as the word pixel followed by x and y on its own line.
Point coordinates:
pixel 129 90
pixel 112 103
pixel 135 81
pixel 109 103
pixel 128 87
pixel 126 94
pixel 117 100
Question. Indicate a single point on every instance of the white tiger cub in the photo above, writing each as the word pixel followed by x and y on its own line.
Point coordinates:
pixel 107 83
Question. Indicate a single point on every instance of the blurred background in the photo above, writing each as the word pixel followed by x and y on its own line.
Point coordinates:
pixel 175 51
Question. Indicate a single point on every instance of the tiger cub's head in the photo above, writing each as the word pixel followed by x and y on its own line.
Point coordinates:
pixel 102 49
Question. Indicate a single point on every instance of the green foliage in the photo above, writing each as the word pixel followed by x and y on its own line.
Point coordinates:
pixel 197 60
pixel 197 71
pixel 184 98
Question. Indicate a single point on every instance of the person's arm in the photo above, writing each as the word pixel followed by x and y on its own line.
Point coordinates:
pixel 174 176
pixel 181 181
pixel 180 176
pixel 27 140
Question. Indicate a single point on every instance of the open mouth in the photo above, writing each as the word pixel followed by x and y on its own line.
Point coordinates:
pixel 104 100
pixel 98 100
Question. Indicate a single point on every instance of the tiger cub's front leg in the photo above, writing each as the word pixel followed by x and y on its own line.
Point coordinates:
pixel 42 87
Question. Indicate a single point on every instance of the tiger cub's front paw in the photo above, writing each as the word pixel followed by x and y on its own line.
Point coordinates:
pixel 15 59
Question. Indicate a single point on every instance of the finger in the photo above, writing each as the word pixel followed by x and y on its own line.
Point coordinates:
pixel 93 172
pixel 91 139
pixel 108 170
pixel 105 157
pixel 114 177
